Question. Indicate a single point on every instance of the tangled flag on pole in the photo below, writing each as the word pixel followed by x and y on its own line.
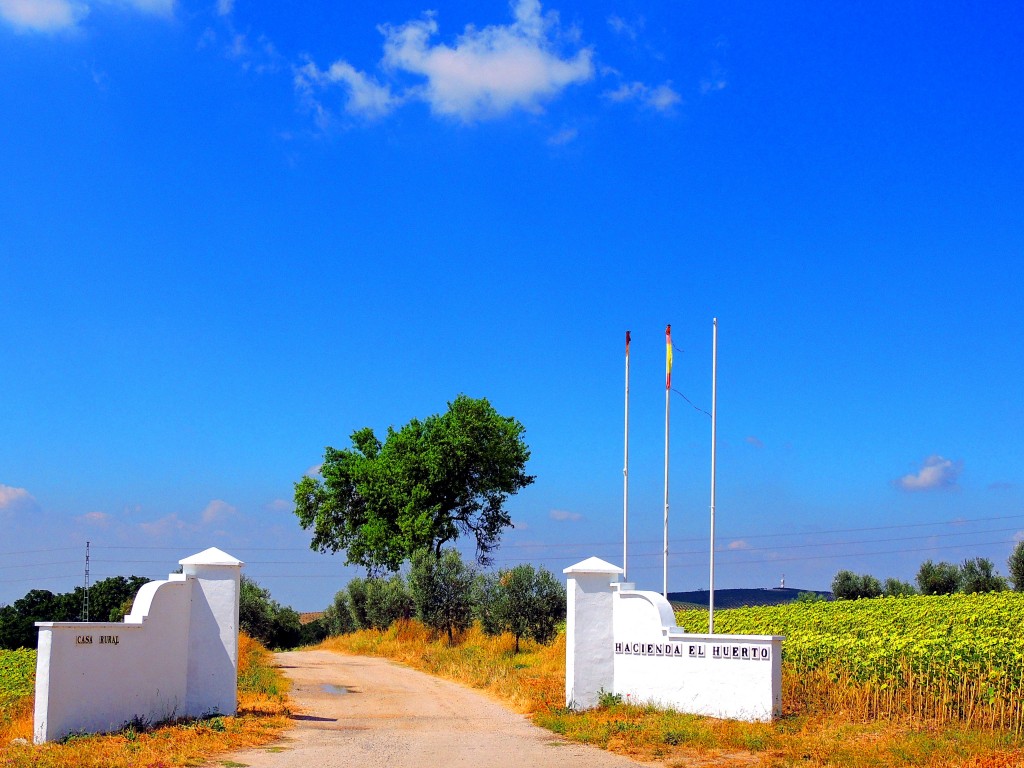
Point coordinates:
pixel 668 357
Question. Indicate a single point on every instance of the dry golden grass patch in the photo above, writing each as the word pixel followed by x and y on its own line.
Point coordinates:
pixel 262 714
pixel 810 733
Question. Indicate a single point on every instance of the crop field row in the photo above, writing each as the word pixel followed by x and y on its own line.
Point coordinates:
pixel 948 658
pixel 17 674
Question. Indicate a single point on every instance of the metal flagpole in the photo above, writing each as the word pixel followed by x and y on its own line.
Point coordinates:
pixel 714 416
pixel 668 389
pixel 625 474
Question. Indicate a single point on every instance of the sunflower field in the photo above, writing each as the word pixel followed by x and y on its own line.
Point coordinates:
pixel 946 658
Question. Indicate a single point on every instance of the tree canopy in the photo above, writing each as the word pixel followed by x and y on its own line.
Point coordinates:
pixel 427 484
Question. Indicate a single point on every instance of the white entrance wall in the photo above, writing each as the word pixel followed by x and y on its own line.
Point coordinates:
pixel 624 641
pixel 174 655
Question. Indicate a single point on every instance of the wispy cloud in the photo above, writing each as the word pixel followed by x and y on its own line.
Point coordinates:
pixel 100 519
pixel 279 505
pixel 751 440
pixel 937 473
pixel 366 97
pixel 165 526
pixel 737 544
pixel 217 510
pixel 42 15
pixel 661 98
pixel 16 499
pixel 628 29
pixel 563 137
pixel 60 15
pixel 485 73
pixel 562 515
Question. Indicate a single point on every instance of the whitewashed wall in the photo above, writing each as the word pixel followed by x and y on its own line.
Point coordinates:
pixel 174 655
pixel 636 651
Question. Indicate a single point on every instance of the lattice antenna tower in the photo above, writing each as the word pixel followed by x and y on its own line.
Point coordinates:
pixel 85 600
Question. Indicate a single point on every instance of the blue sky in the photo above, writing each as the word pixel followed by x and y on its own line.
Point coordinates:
pixel 231 233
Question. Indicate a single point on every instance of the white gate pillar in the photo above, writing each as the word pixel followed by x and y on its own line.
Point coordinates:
pixel 589 639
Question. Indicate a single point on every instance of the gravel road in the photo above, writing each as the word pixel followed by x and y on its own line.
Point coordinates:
pixel 362 712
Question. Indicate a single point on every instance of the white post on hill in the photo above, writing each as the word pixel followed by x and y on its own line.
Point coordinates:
pixel 714 415
pixel 625 472
pixel 668 390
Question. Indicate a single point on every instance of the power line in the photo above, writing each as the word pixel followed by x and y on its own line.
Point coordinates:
pixel 526 545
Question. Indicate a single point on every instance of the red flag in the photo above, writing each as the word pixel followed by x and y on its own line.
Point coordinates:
pixel 668 357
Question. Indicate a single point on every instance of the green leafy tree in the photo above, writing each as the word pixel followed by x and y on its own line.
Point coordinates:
pixel 387 601
pixel 1015 565
pixel 810 597
pixel 17 621
pixel 427 484
pixel 847 585
pixel 357 603
pixel 107 598
pixel 522 601
pixel 263 618
pixel 442 591
pixel 896 588
pixel 313 632
pixel 979 575
pixel 337 618
pixel 937 578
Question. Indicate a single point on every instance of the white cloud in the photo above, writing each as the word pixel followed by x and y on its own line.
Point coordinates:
pixel 279 505
pixel 750 439
pixel 738 544
pixel 937 473
pixel 625 28
pixel 563 137
pixel 314 470
pixel 42 15
pixel 712 84
pixel 486 73
pixel 366 97
pixel 101 519
pixel 562 515
pixel 224 7
pixel 164 526
pixel 155 7
pixel 59 15
pixel 491 71
pixel 217 510
pixel 660 97
pixel 16 499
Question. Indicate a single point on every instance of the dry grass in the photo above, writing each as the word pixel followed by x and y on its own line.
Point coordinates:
pixel 812 732
pixel 262 715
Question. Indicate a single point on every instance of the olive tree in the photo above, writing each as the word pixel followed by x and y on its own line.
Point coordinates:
pixel 441 588
pixel 522 601
pixel 937 578
pixel 1015 565
pixel 424 486
pixel 849 586
pixel 979 575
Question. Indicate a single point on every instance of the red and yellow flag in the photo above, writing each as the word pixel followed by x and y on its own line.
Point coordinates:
pixel 668 357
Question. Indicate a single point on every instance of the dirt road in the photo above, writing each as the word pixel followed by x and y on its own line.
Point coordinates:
pixel 369 713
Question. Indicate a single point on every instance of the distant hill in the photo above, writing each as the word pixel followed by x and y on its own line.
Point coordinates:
pixel 740 598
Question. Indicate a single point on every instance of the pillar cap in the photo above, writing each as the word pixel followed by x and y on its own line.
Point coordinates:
pixel 593 565
pixel 211 556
